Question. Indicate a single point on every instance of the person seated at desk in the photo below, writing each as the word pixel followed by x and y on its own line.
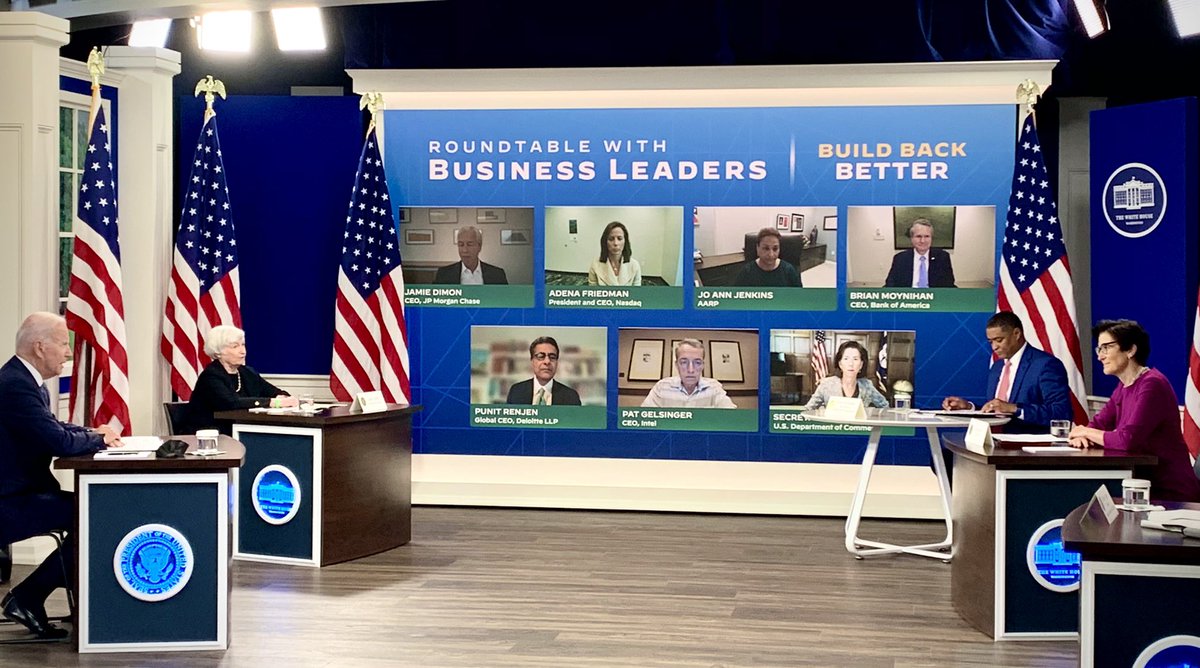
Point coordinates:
pixel 470 270
pixel 227 383
pixel 851 380
pixel 768 270
pixel 690 389
pixel 31 501
pixel 616 265
pixel 543 358
pixel 1143 414
pixel 1030 385
pixel 921 266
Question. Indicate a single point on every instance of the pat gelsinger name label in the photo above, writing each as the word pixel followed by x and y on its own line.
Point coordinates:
pixel 921 299
pixel 548 417
pixel 689 419
pixel 469 296
pixel 634 297
pixel 766 299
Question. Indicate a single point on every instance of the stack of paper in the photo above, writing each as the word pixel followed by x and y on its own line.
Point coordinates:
pixel 1186 522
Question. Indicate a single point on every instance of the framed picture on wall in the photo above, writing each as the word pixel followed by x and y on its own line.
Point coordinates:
pixel 441 216
pixel 782 222
pixel 489 215
pixel 830 223
pixel 797 222
pixel 418 237
pixel 726 361
pixel 514 237
pixel 646 360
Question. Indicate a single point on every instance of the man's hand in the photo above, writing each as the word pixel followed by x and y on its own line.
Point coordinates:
pixel 997 406
pixel 111 438
pixel 956 404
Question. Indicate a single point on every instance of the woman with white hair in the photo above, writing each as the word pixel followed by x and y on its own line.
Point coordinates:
pixel 227 383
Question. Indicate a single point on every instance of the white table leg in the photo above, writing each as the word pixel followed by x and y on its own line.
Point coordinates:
pixel 861 547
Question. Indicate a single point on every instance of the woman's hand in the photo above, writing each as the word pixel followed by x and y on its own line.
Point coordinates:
pixel 284 401
pixel 1084 437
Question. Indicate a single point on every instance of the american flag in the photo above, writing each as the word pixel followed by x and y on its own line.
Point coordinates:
pixel 370 340
pixel 95 308
pixel 205 290
pixel 1035 276
pixel 1191 394
pixel 819 365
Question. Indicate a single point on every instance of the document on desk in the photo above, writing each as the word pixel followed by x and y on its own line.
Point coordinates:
pixel 139 443
pixel 122 453
pixel 1027 438
pixel 971 414
pixel 1186 522
pixel 1048 448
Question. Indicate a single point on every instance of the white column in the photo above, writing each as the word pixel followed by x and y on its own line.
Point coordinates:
pixel 29 44
pixel 145 150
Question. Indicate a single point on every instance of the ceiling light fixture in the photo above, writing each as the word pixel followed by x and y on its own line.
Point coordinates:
pixel 1186 14
pixel 299 29
pixel 152 32
pixel 225 31
pixel 1095 19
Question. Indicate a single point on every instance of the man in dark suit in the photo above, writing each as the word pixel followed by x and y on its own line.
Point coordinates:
pixel 469 270
pixel 921 266
pixel 542 389
pixel 31 501
pixel 1029 385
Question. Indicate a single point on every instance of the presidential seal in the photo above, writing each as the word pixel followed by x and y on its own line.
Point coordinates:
pixel 153 562
pixel 276 494
pixel 1051 565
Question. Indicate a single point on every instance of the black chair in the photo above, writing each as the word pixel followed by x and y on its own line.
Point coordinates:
pixel 177 416
pixel 58 537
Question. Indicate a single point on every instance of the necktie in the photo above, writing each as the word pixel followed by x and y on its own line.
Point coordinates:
pixel 539 398
pixel 1002 388
pixel 45 395
pixel 922 272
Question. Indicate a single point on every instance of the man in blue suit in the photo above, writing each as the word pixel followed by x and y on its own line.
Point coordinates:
pixel 1030 385
pixel 31 501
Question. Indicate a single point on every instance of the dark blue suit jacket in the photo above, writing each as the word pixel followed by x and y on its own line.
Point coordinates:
pixel 30 435
pixel 1039 389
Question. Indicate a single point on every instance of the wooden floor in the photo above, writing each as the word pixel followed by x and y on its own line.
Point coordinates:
pixel 491 587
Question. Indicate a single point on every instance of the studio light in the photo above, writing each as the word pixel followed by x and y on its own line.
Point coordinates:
pixel 299 29
pixel 1095 19
pixel 225 31
pixel 1186 14
pixel 152 32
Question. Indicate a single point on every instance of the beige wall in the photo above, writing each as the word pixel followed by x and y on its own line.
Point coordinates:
pixel 656 234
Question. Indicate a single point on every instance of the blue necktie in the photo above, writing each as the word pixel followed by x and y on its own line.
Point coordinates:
pixel 922 272
pixel 45 396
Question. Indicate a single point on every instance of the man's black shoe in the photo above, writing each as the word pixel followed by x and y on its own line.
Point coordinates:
pixel 31 618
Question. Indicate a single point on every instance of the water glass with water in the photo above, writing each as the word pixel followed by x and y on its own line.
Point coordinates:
pixel 1135 493
pixel 306 403
pixel 902 403
pixel 206 441
pixel 1060 428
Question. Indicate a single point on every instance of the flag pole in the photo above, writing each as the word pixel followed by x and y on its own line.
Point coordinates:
pixel 373 103
pixel 211 88
pixel 83 352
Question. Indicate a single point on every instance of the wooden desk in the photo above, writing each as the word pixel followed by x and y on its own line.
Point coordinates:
pixel 1137 590
pixel 153 551
pixel 351 476
pixel 1000 502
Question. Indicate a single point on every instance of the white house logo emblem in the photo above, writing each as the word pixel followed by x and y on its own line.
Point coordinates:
pixel 276 494
pixel 1135 200
pixel 153 562
pixel 1178 651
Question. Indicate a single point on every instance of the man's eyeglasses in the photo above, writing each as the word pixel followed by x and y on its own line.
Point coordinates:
pixel 543 356
pixel 1103 347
